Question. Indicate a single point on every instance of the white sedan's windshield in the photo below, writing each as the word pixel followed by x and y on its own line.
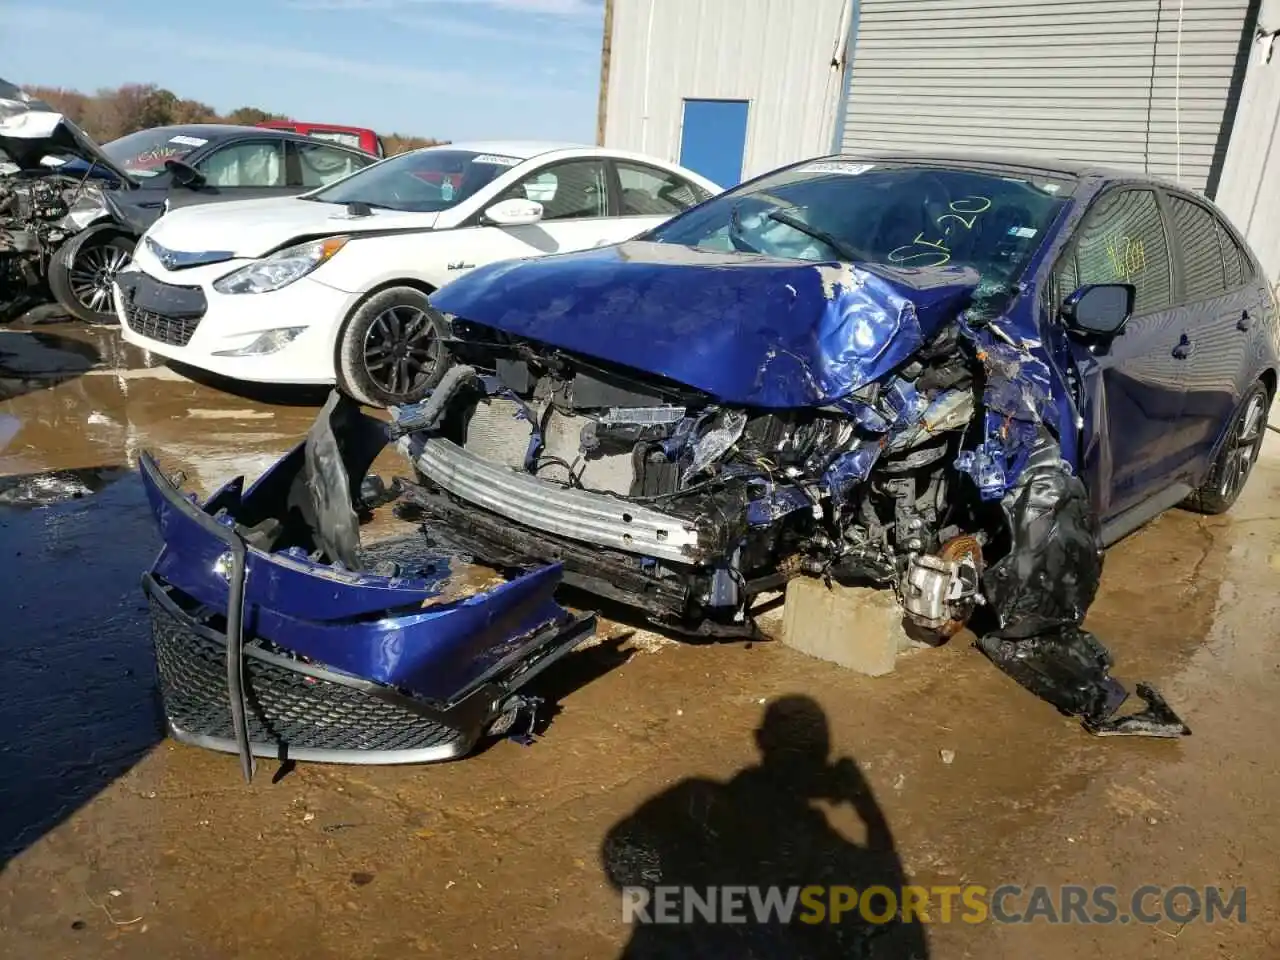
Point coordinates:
pixel 425 181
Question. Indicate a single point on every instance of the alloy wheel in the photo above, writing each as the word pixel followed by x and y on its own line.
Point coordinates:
pixel 401 349
pixel 1242 447
pixel 93 272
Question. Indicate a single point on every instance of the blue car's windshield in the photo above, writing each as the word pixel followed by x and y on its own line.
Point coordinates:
pixel 897 215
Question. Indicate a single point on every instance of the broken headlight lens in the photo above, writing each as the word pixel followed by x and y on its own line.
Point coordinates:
pixel 281 268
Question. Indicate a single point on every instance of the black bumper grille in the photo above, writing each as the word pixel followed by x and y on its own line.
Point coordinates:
pixel 285 707
pixel 161 311
pixel 177 331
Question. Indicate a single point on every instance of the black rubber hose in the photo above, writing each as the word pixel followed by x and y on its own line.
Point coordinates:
pixel 235 655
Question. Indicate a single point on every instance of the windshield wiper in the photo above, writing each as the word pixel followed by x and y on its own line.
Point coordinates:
pixel 346 203
pixel 795 223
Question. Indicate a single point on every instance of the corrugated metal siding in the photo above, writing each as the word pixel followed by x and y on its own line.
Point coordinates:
pixel 1251 173
pixel 774 53
pixel 1103 81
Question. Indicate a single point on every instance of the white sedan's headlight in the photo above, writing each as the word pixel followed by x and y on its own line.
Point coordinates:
pixel 281 268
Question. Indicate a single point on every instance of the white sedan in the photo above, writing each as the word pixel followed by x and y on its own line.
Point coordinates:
pixel 331 286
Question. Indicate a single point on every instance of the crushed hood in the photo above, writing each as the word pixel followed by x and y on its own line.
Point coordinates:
pixel 254 228
pixel 748 329
pixel 30 130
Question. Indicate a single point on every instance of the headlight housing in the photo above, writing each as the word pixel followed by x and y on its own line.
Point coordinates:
pixel 281 268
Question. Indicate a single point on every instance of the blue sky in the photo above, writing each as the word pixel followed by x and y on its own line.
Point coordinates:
pixel 453 69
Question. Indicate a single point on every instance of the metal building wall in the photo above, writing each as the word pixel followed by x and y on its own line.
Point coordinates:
pixel 1250 183
pixel 775 53
pixel 1145 84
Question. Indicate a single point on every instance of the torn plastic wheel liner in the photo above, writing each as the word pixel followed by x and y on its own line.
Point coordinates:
pixel 277 635
pixel 1041 591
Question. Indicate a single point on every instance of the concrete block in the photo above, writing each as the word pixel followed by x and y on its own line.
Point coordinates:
pixel 856 627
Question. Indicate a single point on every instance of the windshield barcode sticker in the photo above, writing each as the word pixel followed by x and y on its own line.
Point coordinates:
pixel 188 141
pixel 837 166
pixel 496 160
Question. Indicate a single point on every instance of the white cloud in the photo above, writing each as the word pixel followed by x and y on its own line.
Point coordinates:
pixel 559 8
pixel 195 46
pixel 584 9
pixel 582 41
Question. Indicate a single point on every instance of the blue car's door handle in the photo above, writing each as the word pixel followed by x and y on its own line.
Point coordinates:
pixel 1184 348
pixel 1245 321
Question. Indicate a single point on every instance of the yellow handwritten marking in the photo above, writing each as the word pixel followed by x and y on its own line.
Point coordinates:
pixel 1128 256
pixel 968 224
pixel 939 245
pixel 942 256
pixel 938 249
pixel 983 204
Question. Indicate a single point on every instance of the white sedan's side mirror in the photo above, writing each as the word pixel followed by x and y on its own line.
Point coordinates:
pixel 514 212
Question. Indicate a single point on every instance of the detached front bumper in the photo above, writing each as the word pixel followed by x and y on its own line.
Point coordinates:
pixel 296 709
pixel 266 649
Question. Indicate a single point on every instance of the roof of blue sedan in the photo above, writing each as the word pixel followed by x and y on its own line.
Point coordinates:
pixel 1028 163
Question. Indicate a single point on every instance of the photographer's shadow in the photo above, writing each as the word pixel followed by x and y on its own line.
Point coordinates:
pixel 761 830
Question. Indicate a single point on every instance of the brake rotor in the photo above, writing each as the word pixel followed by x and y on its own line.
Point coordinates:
pixel 955 550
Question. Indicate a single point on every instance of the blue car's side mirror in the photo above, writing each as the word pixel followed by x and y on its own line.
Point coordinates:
pixel 1099 309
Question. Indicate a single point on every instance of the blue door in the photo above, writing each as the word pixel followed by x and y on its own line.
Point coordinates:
pixel 713 140
pixel 1222 303
pixel 1134 385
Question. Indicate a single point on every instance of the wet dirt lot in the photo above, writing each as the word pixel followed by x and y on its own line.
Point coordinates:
pixel 117 843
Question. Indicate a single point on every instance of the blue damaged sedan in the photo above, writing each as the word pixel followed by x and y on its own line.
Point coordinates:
pixel 955 378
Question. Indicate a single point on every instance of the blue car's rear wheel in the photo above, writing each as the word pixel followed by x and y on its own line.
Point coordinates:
pixel 1236 457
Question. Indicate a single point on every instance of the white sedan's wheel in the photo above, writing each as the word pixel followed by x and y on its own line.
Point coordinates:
pixel 391 349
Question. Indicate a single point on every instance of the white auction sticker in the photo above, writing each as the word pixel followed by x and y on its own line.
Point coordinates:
pixel 496 160
pixel 837 166
pixel 188 141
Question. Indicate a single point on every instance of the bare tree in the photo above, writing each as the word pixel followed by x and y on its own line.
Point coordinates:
pixel 109 113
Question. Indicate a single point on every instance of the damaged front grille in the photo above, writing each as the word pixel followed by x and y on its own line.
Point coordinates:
pixel 161 311
pixel 176 331
pixel 285 707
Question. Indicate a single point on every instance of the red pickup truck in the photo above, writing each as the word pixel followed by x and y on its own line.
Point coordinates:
pixel 358 137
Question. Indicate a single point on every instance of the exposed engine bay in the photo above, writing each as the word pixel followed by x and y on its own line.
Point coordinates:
pixel 940 481
pixel 33 223
pixel 767 494
pixel 44 198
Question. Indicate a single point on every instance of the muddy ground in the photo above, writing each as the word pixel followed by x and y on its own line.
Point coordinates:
pixel 117 843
